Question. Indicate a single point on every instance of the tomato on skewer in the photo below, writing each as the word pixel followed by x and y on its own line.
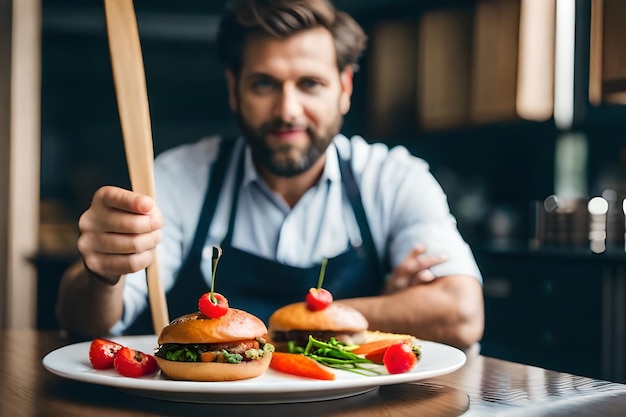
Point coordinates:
pixel 213 305
pixel 318 298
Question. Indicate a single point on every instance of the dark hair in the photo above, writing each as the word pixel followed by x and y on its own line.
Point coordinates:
pixel 282 18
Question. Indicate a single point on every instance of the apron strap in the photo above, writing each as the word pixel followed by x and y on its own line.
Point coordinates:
pixel 354 195
pixel 235 201
pixel 217 173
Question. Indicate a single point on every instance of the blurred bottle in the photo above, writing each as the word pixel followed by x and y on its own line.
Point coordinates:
pixel 598 208
pixel 614 220
pixel 560 222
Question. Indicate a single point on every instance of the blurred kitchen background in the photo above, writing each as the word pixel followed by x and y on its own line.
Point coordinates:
pixel 518 106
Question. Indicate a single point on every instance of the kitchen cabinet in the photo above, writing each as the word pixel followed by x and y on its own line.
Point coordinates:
pixel 559 308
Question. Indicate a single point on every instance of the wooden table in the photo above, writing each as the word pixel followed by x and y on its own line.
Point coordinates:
pixel 484 386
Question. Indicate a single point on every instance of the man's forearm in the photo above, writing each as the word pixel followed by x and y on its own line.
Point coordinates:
pixel 87 306
pixel 448 310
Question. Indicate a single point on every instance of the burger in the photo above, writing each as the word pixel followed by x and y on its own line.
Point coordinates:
pixel 296 322
pixel 195 347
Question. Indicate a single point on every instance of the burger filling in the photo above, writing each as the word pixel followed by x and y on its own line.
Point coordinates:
pixel 301 337
pixel 234 352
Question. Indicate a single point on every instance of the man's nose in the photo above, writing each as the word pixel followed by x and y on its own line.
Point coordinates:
pixel 289 106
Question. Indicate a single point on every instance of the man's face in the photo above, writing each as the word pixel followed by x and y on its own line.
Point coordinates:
pixel 290 99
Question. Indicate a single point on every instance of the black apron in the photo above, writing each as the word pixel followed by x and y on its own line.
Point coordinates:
pixel 258 285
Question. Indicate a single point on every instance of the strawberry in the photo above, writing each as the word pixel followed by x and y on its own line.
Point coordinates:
pixel 134 363
pixel 102 352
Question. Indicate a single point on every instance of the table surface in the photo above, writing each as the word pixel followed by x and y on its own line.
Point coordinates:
pixel 483 386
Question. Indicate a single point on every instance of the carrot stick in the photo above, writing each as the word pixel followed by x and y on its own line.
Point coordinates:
pixel 377 357
pixel 300 365
pixel 375 346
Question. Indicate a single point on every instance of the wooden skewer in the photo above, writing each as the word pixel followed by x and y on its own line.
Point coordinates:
pixel 132 101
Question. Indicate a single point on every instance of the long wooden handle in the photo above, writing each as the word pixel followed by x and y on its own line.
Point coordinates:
pixel 132 101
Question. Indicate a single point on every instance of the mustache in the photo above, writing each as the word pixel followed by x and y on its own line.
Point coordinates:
pixel 279 124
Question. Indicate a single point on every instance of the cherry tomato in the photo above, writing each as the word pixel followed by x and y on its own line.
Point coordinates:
pixel 134 363
pixel 102 352
pixel 212 309
pixel 399 358
pixel 318 299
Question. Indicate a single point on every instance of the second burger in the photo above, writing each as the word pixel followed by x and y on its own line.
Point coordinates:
pixel 296 322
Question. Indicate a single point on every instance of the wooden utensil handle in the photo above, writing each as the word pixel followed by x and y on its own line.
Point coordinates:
pixel 132 101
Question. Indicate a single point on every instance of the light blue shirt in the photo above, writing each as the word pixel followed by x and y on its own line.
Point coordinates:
pixel 404 204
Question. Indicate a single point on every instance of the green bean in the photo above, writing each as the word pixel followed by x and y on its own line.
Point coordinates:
pixel 335 354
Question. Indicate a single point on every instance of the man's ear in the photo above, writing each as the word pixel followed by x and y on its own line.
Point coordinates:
pixel 346 89
pixel 231 82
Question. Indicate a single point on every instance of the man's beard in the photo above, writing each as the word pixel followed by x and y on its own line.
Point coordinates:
pixel 287 160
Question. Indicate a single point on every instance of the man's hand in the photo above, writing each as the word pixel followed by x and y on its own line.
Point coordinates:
pixel 119 232
pixel 413 270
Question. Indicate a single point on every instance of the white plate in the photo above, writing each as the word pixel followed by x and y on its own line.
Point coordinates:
pixel 72 362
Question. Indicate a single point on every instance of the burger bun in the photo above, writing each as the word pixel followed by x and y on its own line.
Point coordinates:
pixel 337 317
pixel 195 327
pixel 214 371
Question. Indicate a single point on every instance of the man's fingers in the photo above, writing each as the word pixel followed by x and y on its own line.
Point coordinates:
pixel 119 232
pixel 426 262
pixel 399 283
pixel 417 251
pixel 116 243
pixel 130 223
pixel 414 269
pixel 412 264
pixel 116 221
pixel 116 210
pixel 425 275
pixel 125 200
pixel 116 265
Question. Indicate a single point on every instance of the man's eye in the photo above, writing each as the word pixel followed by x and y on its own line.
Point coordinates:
pixel 263 85
pixel 310 84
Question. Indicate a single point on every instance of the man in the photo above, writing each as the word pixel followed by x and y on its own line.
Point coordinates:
pixel 287 194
